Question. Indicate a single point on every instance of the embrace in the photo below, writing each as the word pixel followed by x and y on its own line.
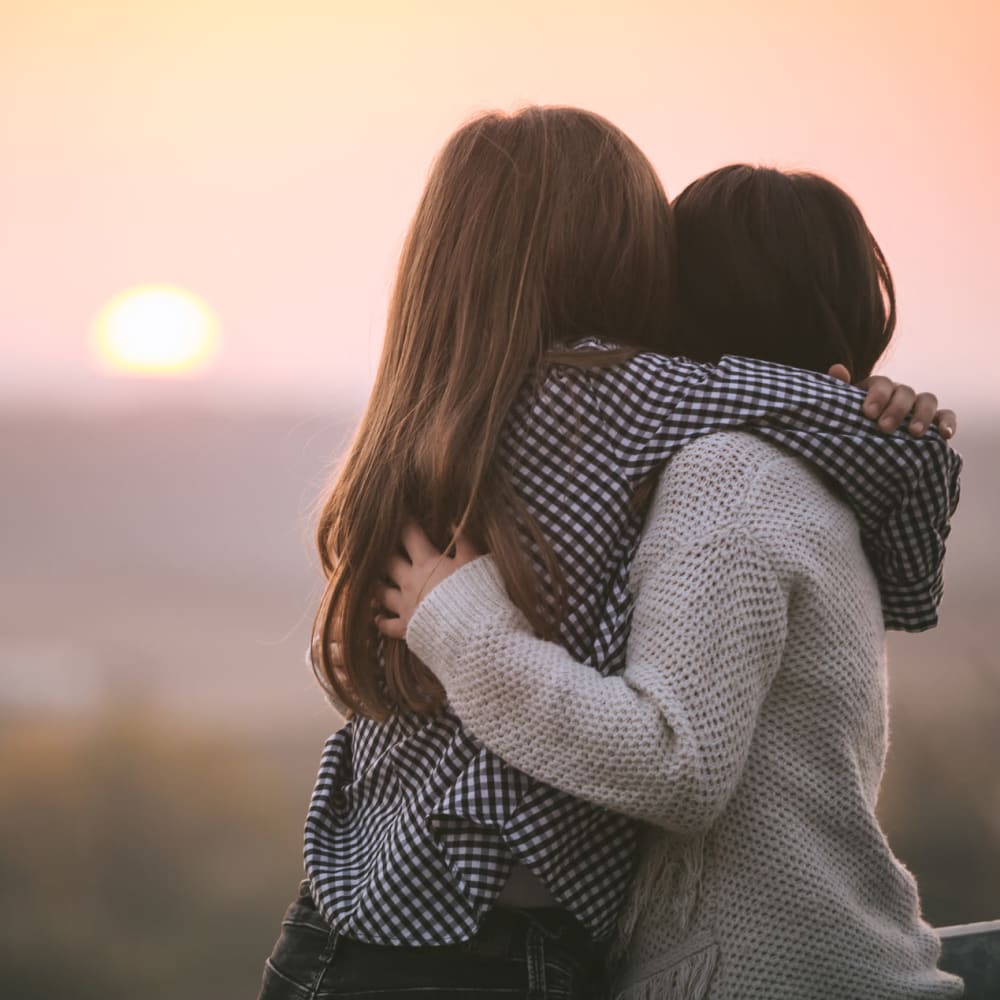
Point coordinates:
pixel 609 567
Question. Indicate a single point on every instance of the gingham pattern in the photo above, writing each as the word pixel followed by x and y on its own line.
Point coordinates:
pixel 414 826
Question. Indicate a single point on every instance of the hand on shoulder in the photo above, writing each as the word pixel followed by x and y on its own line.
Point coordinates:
pixel 893 404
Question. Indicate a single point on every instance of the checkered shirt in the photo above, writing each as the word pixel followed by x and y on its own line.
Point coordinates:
pixel 414 826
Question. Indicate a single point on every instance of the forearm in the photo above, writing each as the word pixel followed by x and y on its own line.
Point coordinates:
pixel 530 702
pixel 625 742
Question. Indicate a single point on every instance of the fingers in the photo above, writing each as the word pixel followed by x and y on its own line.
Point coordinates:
pixel 389 598
pixel 898 407
pixel 393 624
pixel 409 579
pixel 924 407
pixel 889 403
pixel 421 549
pixel 840 373
pixel 398 570
pixel 947 423
pixel 892 413
pixel 418 546
pixel 392 628
pixel 879 392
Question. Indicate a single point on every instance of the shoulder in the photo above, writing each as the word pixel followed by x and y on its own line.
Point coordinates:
pixel 730 474
pixel 733 482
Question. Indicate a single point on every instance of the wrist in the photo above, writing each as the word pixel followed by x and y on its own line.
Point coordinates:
pixel 461 604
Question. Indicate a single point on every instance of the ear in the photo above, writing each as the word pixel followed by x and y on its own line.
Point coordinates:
pixel 840 373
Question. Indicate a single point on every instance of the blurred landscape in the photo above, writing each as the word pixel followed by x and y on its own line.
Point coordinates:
pixel 159 729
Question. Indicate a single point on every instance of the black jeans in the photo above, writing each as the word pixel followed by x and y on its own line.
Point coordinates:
pixel 534 954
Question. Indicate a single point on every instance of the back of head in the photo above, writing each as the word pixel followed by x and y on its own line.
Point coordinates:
pixel 780 266
pixel 535 229
pixel 541 226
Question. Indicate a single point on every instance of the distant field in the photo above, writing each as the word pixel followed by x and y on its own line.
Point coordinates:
pixel 157 583
pixel 176 549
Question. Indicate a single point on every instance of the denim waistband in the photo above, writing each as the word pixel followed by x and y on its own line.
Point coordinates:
pixel 503 929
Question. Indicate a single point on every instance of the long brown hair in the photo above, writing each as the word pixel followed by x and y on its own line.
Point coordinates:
pixel 779 265
pixel 536 229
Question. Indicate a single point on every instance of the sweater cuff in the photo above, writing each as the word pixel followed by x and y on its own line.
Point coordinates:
pixel 463 604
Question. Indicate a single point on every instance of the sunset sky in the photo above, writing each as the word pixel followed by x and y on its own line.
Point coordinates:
pixel 267 157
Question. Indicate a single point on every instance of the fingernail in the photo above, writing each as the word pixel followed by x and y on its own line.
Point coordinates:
pixel 946 432
pixel 886 423
pixel 916 427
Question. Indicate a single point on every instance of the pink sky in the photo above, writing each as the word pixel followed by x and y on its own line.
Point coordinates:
pixel 269 156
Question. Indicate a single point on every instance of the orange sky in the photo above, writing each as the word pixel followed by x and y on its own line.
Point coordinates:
pixel 269 156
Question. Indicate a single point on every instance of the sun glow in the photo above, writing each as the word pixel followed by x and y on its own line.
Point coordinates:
pixel 156 330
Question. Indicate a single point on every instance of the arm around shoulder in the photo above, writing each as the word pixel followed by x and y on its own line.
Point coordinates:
pixel 666 741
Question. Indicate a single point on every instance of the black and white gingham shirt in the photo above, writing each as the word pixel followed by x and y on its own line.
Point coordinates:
pixel 414 826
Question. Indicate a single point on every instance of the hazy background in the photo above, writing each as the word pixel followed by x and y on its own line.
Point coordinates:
pixel 159 731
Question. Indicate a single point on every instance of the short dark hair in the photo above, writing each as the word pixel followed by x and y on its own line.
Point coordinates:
pixel 781 266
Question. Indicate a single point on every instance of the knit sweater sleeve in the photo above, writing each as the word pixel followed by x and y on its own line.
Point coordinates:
pixel 666 741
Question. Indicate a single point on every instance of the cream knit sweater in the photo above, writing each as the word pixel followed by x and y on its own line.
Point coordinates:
pixel 748 731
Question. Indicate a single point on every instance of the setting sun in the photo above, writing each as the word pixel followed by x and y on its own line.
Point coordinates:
pixel 156 330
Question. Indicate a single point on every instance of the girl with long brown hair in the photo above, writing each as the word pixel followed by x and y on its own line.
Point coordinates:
pixel 518 404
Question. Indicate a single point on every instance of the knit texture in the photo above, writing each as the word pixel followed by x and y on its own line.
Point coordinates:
pixel 414 826
pixel 748 731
